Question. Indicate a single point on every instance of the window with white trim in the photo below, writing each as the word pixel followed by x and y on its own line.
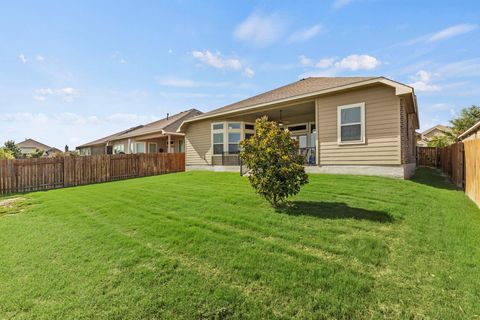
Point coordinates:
pixel 351 123
pixel 152 147
pixel 139 147
pixel 234 137
pixel 118 148
pixel 217 133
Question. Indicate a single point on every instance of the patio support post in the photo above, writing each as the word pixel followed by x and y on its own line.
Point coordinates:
pixel 169 139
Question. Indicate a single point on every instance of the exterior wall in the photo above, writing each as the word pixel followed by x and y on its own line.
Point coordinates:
pixel 408 137
pixel 198 144
pixel 475 135
pixel 382 128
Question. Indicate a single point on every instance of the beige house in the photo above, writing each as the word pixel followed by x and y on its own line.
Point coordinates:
pixel 29 146
pixel 472 133
pixel 157 136
pixel 426 136
pixel 359 125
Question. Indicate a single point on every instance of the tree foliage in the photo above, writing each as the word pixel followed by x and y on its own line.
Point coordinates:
pixel 14 149
pixel 441 141
pixel 468 117
pixel 36 154
pixel 6 154
pixel 275 168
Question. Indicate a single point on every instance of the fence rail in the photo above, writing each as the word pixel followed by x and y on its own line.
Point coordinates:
pixel 24 175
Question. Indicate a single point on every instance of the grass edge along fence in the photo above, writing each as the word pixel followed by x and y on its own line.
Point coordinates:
pixel 460 161
pixel 24 175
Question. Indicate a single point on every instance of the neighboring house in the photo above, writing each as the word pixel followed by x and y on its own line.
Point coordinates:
pixel 360 125
pixel 157 136
pixel 426 136
pixel 471 133
pixel 29 146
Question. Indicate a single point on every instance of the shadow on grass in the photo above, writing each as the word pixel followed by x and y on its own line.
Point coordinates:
pixel 334 210
pixel 433 178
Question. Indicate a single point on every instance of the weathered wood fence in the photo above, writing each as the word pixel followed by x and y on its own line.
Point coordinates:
pixel 25 175
pixel 460 161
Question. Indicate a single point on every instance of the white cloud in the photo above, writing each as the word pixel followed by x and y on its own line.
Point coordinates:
pixel 325 63
pixel 305 35
pixel 260 30
pixel 422 82
pixel 40 58
pixel 170 51
pixel 331 66
pixel 356 62
pixel 338 4
pixel 215 60
pixel 22 58
pixel 67 94
pixel 248 72
pixel 451 32
pixel 304 60
pixel 439 107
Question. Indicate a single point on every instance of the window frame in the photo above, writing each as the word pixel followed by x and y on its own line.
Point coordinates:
pixel 114 151
pixel 362 139
pixel 222 131
pixel 156 147
pixel 144 146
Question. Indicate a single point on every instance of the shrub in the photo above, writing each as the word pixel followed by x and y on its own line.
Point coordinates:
pixel 275 168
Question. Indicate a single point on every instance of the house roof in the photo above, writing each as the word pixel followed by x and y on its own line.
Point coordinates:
pixel 165 125
pixel 304 88
pixel 33 144
pixel 438 127
pixel 470 130
pixel 108 138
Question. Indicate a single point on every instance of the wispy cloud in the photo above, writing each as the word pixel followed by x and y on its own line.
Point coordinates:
pixel 40 58
pixel 248 72
pixel 338 4
pixel 67 94
pixel 356 62
pixel 22 58
pixel 261 30
pixel 451 32
pixel 304 60
pixel 216 60
pixel 443 34
pixel 116 56
pixel 306 34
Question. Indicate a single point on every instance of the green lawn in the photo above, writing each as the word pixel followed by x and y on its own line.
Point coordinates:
pixel 203 245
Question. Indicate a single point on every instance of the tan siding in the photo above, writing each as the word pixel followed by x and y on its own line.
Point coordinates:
pixel 198 147
pixel 382 128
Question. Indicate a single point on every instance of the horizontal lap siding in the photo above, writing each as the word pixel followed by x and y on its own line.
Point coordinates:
pixel 382 128
pixel 198 146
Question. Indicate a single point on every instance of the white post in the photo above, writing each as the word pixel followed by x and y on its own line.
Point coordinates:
pixel 129 145
pixel 168 147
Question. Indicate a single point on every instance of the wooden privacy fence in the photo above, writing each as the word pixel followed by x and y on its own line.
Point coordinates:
pixel 25 175
pixel 472 170
pixel 460 161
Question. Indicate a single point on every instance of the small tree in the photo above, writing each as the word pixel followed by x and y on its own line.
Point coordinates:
pixel 36 154
pixel 275 168
pixel 441 141
pixel 14 149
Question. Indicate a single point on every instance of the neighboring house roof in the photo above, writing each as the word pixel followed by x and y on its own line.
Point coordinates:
pixel 470 130
pixel 165 125
pixel 32 144
pixel 305 88
pixel 53 150
pixel 108 138
pixel 439 127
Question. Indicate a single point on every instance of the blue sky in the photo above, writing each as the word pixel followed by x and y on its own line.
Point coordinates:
pixel 71 72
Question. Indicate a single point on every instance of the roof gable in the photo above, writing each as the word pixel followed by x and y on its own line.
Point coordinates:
pixel 30 143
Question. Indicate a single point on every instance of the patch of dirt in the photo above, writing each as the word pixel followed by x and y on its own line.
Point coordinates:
pixel 12 205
